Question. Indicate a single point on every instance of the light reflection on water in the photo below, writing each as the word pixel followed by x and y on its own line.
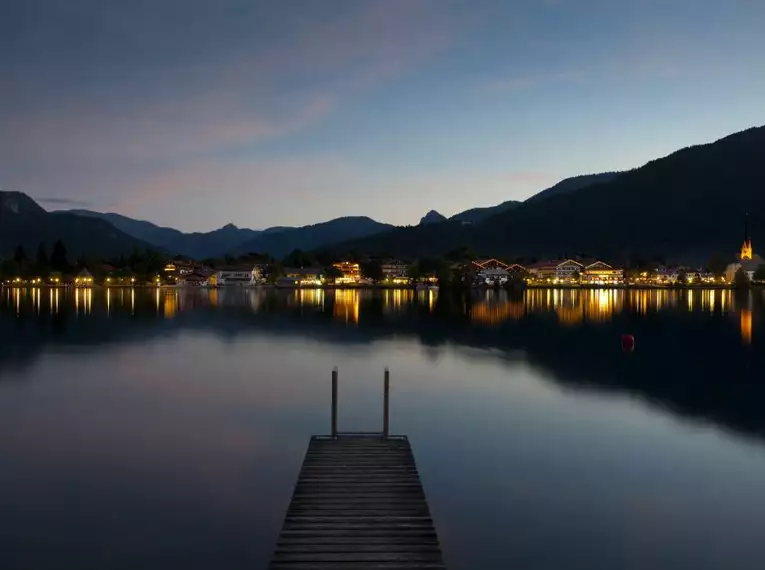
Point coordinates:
pixel 572 307
pixel 541 443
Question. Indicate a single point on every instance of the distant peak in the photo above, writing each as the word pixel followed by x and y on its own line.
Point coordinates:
pixel 432 217
pixel 229 227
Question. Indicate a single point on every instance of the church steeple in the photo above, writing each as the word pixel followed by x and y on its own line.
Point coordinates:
pixel 746 249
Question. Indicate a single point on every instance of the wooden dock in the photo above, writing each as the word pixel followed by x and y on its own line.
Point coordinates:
pixel 358 503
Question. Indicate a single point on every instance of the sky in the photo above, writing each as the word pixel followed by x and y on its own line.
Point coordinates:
pixel 198 113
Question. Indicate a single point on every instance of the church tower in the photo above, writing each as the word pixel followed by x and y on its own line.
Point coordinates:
pixel 746 249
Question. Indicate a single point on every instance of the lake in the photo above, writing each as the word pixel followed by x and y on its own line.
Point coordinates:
pixel 161 429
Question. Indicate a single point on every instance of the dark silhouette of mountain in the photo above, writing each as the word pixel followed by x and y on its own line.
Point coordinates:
pixel 572 184
pixel 277 241
pixel 196 244
pixel 688 206
pixel 280 243
pixel 432 217
pixel 24 222
pixel 477 215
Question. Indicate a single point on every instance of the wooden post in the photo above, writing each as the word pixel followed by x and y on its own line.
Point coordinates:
pixel 334 402
pixel 386 404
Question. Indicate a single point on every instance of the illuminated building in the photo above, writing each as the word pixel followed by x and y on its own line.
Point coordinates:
pixel 394 270
pixel 746 260
pixel 557 271
pixel 350 270
pixel 83 279
pixel 236 276
pixel 192 280
pixel 301 277
pixel 601 273
pixel 493 271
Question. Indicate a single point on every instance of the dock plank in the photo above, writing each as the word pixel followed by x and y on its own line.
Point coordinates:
pixel 358 503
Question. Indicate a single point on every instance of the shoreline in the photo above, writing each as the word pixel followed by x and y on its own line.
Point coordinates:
pixel 384 287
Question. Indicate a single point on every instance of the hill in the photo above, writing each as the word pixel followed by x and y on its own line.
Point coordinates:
pixel 686 206
pixel 280 243
pixel 432 217
pixel 573 184
pixel 477 215
pixel 197 245
pixel 24 222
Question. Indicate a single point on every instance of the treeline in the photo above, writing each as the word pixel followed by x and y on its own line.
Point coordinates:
pixel 143 265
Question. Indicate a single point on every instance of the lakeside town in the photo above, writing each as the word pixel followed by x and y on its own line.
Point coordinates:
pixel 300 270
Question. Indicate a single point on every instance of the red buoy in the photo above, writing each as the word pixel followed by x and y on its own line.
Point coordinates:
pixel 628 342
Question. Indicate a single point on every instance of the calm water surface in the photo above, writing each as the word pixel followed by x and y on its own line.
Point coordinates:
pixel 165 429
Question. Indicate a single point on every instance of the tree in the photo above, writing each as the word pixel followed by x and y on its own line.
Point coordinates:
pixel 682 277
pixel 298 258
pixel 332 273
pixel 58 260
pixel 273 272
pixel 41 265
pixel 9 269
pixel 717 266
pixel 372 270
pixel 414 272
pixel 759 274
pixel 741 279
pixel 19 256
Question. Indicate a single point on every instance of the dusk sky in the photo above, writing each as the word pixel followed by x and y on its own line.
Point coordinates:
pixel 197 113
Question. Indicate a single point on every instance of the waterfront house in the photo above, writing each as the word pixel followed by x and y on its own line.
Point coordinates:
pixel 235 275
pixel 301 277
pixel 192 280
pixel 666 275
pixel 83 279
pixel 350 270
pixel 393 269
pixel 491 272
pixel 601 273
pixel 556 271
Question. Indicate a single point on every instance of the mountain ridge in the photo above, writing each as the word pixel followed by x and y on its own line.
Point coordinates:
pixel 24 222
pixel 686 205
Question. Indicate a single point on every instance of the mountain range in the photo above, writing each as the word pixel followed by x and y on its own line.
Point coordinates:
pixel 690 204
pixel 23 222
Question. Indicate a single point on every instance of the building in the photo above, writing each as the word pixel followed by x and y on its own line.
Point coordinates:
pixel 301 277
pixel 601 273
pixel 241 276
pixel 83 279
pixel 192 280
pixel 394 269
pixel 746 259
pixel 494 272
pixel 178 268
pixel 557 271
pixel 350 270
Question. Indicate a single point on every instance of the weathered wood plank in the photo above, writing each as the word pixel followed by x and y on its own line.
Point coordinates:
pixel 358 503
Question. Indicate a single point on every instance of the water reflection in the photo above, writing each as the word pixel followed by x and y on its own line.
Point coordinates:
pixel 571 307
pixel 498 356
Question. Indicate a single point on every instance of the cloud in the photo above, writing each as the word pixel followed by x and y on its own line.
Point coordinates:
pixel 195 99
